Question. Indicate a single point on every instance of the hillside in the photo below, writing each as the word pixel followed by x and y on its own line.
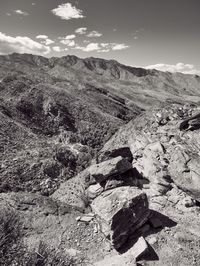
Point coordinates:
pixel 77 136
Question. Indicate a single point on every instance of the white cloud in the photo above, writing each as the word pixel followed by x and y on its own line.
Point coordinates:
pixel 65 41
pixel 68 42
pixel 104 51
pixel 90 47
pixel 56 49
pixel 94 33
pixel 102 47
pixel 179 67
pixel 20 12
pixel 42 37
pixel 8 14
pixel 20 44
pixel 72 43
pixel 81 30
pixel 119 46
pixel 33 4
pixel 48 42
pixel 67 11
pixel 105 44
pixel 70 37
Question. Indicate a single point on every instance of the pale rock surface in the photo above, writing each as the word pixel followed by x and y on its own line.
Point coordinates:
pixel 120 212
pixel 94 190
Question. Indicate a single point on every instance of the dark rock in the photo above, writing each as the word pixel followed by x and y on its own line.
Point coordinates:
pixel 191 123
pixel 128 178
pixel 101 172
pixel 124 152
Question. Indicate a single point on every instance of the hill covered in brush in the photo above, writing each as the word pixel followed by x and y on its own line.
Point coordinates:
pixel 56 113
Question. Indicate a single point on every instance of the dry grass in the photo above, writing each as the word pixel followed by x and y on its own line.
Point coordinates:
pixel 14 253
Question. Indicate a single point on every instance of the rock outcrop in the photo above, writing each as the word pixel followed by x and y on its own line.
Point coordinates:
pixel 162 153
pixel 121 211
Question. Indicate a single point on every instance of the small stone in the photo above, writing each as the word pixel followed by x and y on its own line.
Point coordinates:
pixel 156 147
pixel 87 218
pixel 152 240
pixel 95 229
pixel 94 190
pixel 174 199
pixel 78 218
pixel 146 186
pixel 188 202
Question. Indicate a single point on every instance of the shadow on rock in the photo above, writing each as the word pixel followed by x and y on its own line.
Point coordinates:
pixel 156 222
pixel 149 255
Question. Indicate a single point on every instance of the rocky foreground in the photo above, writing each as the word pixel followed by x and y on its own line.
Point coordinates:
pixel 136 204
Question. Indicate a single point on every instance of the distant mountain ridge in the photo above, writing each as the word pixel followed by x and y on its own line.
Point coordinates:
pixel 145 86
pixel 91 63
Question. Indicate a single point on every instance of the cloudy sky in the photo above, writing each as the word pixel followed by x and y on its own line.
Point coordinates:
pixel 162 34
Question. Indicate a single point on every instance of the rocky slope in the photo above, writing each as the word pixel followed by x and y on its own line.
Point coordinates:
pixel 83 192
pixel 165 148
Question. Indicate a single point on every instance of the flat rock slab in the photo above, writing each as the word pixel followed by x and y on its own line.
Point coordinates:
pixel 117 260
pixel 124 152
pixel 121 211
pixel 127 259
pixel 102 171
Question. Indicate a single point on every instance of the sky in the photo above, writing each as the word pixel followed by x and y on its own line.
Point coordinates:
pixel 161 34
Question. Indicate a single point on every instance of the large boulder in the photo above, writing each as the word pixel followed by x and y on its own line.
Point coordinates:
pixel 102 171
pixel 184 169
pixel 120 212
pixel 124 152
pixel 73 191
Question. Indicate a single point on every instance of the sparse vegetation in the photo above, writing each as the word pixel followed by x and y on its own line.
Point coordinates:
pixel 14 253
